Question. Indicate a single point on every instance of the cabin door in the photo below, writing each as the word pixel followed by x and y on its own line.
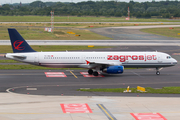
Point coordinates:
pixel 36 58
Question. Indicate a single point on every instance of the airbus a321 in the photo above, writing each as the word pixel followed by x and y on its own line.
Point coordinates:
pixel 107 62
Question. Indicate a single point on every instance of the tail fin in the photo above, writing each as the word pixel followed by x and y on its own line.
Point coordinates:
pixel 18 43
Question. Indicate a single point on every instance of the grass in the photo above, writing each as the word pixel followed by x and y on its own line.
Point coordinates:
pixel 8 48
pixel 76 19
pixel 164 90
pixel 9 61
pixel 164 31
pixel 30 67
pixel 38 33
pixel 74 25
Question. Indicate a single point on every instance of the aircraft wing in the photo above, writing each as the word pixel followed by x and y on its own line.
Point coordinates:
pixel 95 64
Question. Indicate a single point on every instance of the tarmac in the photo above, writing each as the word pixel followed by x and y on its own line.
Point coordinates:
pixel 37 95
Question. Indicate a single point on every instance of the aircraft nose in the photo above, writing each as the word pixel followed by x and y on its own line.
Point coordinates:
pixel 175 61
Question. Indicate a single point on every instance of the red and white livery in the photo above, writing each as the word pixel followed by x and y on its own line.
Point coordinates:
pixel 108 62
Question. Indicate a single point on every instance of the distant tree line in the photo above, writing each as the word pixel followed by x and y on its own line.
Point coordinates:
pixel 162 9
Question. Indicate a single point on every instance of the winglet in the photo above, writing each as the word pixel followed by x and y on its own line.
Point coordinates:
pixel 18 43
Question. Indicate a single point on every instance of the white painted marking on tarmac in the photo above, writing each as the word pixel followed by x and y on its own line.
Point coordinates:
pixel 136 74
pixel 56 76
pixel 86 74
pixel 54 73
pixel 148 116
pixel 150 69
pixel 93 76
pixel 69 70
pixel 76 108
pixel 31 89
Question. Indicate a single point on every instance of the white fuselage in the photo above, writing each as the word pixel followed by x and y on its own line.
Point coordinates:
pixel 78 59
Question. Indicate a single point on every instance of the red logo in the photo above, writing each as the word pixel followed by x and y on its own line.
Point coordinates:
pixel 87 62
pixel 17 44
pixel 123 58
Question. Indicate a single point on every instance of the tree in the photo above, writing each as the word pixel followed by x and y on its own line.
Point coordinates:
pixel 118 14
pixel 139 15
pixel 176 15
pixel 147 15
pixel 38 4
pixel 167 15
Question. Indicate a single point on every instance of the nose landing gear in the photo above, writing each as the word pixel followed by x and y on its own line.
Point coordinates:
pixel 157 71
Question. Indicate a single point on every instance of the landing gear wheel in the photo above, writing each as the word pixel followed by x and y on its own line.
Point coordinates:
pixel 90 71
pixel 95 73
pixel 157 73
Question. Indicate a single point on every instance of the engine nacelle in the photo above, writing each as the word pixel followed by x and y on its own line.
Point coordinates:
pixel 114 69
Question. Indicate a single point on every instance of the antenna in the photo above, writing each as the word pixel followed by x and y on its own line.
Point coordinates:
pixel 52 21
pixel 128 13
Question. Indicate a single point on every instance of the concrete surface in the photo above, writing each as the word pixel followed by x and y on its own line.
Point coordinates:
pixel 32 107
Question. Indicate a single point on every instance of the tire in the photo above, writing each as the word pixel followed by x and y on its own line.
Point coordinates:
pixel 90 71
pixel 157 73
pixel 95 73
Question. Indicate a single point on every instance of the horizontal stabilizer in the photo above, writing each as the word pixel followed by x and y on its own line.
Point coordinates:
pixel 19 57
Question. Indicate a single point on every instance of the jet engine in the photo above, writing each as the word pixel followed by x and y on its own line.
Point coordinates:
pixel 114 69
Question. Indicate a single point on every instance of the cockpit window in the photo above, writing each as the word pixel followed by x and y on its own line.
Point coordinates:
pixel 168 57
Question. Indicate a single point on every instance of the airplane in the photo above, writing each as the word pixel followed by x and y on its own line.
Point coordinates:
pixel 106 62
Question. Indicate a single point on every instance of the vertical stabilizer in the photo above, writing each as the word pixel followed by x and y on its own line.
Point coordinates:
pixel 18 43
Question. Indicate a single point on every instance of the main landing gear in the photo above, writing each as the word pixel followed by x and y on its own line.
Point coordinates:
pixel 91 72
pixel 95 73
pixel 157 71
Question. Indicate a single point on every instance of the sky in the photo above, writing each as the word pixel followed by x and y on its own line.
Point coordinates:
pixel 29 1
